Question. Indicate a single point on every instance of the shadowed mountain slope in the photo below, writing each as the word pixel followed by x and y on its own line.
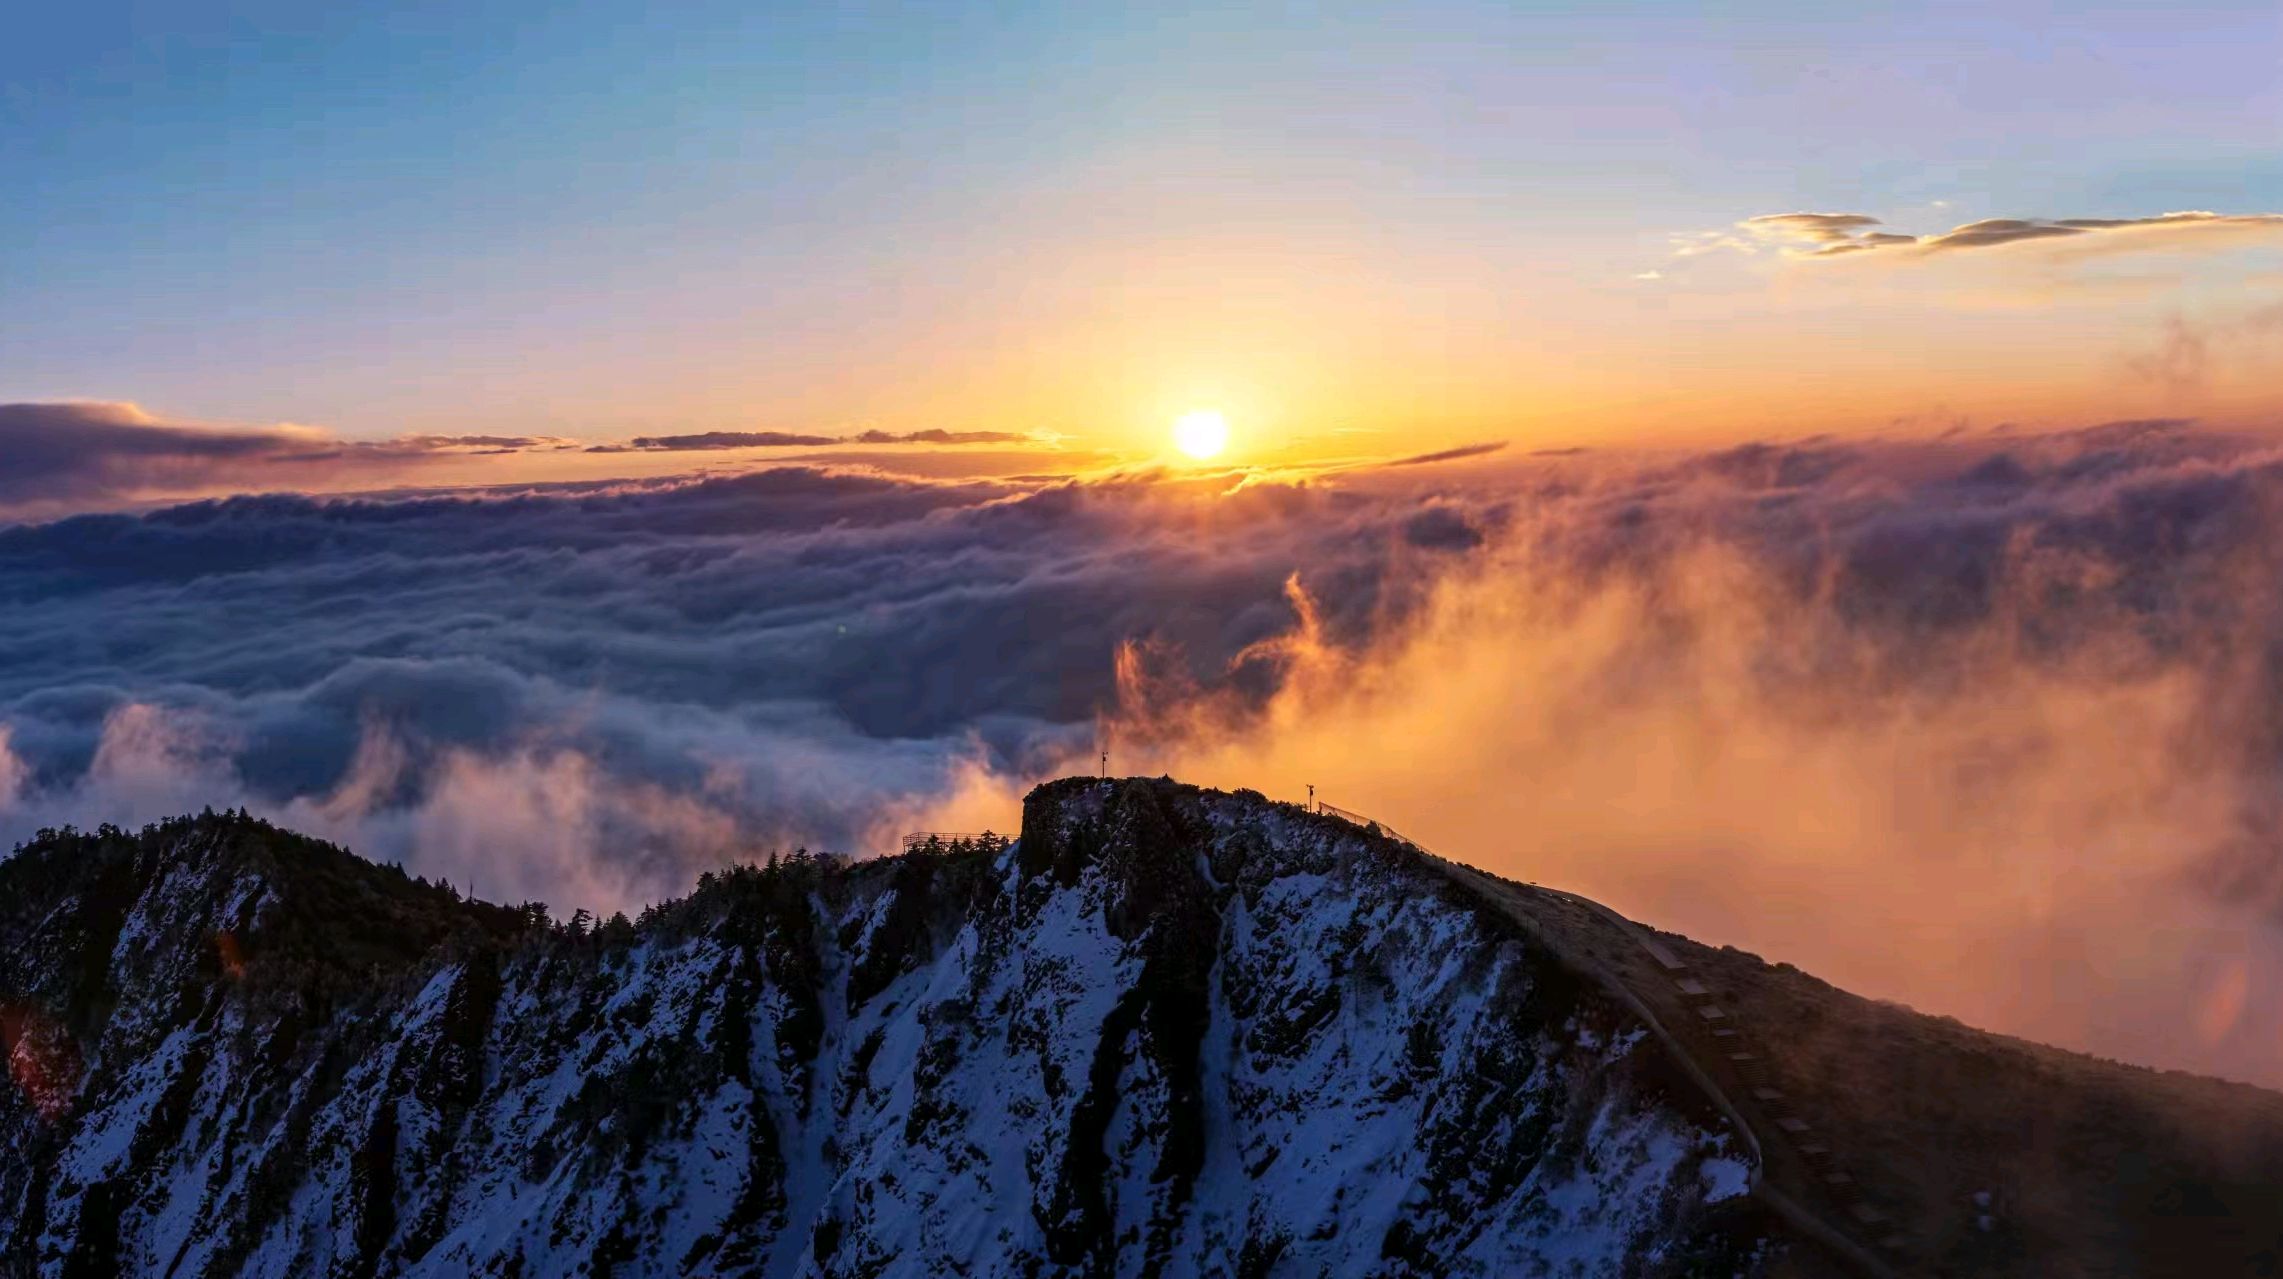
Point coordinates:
pixel 1939 1148
pixel 1167 1032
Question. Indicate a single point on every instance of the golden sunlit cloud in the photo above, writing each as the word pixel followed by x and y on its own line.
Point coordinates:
pixel 1828 235
pixel 1201 434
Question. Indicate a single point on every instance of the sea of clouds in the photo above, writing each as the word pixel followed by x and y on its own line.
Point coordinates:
pixel 587 695
pixel 1987 722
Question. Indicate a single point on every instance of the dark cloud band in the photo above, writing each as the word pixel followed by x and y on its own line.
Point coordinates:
pixel 63 457
pixel 717 440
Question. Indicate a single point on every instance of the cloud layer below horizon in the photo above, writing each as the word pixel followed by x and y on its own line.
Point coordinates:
pixel 701 669
pixel 1985 722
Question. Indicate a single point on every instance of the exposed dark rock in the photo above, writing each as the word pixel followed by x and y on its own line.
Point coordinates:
pixel 1166 1032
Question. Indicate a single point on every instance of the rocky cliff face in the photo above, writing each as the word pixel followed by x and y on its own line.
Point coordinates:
pixel 1168 1032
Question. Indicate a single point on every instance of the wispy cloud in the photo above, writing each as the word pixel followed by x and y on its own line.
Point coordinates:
pixel 1831 235
pixel 2187 352
pixel 708 441
pixel 1459 453
pixel 71 456
pixel 62 456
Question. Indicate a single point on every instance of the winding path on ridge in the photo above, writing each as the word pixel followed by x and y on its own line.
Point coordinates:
pixel 1809 1159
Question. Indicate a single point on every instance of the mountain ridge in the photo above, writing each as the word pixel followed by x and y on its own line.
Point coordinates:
pixel 1166 1031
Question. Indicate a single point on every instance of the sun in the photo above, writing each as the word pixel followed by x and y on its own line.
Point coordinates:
pixel 1201 434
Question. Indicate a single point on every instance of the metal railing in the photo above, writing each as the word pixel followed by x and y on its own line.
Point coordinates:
pixel 1373 825
pixel 941 839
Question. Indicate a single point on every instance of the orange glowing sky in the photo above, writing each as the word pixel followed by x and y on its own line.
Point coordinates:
pixel 1350 232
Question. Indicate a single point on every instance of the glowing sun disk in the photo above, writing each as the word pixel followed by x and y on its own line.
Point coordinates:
pixel 1201 434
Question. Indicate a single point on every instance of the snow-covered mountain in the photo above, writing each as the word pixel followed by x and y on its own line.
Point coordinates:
pixel 1167 1032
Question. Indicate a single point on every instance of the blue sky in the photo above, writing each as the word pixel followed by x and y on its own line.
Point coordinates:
pixel 590 219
